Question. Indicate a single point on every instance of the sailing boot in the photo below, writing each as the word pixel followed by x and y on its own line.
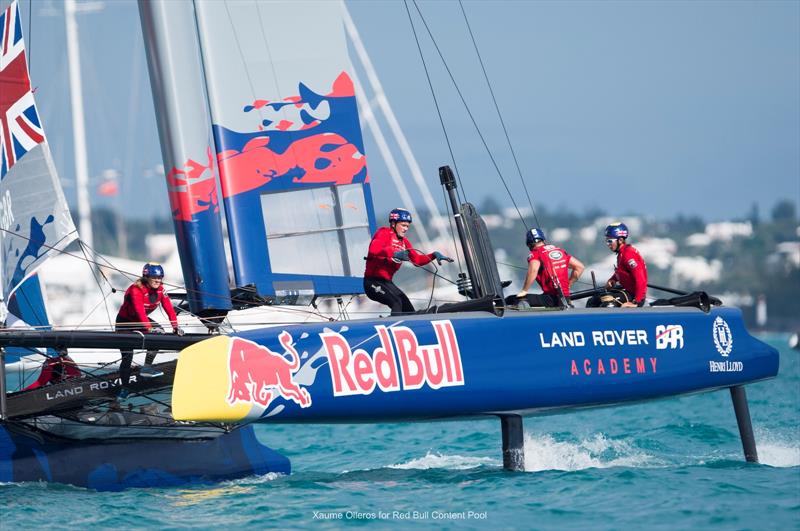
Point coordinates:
pixel 147 370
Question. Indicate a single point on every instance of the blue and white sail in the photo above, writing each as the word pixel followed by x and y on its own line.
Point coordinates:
pixel 289 146
pixel 35 222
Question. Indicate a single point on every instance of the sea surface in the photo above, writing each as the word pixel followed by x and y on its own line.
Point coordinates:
pixel 672 464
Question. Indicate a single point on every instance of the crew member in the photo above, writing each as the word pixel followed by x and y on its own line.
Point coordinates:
pixel 630 271
pixel 141 298
pixel 56 369
pixel 387 250
pixel 550 266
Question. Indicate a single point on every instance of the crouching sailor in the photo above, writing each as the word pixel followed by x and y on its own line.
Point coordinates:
pixel 549 266
pixel 388 249
pixel 56 369
pixel 630 271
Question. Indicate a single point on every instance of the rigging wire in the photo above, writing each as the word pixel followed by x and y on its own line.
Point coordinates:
pixel 250 83
pixel 129 274
pixel 96 375
pixel 435 100
pixel 433 285
pixel 499 114
pixel 469 113
pixel 102 262
pixel 460 190
pixel 100 273
pixel 435 271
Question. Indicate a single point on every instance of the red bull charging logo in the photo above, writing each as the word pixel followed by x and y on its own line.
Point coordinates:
pixel 398 363
pixel 259 375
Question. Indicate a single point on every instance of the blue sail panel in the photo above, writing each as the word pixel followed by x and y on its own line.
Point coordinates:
pixel 26 309
pixel 293 174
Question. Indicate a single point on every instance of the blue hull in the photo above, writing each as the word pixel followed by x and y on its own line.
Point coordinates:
pixel 116 466
pixel 463 365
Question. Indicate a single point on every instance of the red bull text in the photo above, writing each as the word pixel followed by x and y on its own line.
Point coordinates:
pixel 258 375
pixel 399 363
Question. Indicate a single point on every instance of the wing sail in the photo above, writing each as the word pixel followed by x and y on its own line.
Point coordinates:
pixel 291 155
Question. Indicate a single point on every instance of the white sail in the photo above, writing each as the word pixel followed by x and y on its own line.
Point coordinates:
pixel 35 222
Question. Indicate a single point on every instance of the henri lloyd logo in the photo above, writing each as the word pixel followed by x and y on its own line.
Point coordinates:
pixel 399 363
pixel 725 366
pixel 723 340
pixel 722 337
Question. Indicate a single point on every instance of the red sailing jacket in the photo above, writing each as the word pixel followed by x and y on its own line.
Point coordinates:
pixel 631 272
pixel 554 261
pixel 140 301
pixel 381 250
pixel 54 370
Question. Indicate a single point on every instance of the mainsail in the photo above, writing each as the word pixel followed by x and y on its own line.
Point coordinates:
pixel 291 156
pixel 35 222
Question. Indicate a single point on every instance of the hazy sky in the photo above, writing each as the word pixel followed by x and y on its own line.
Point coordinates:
pixel 650 107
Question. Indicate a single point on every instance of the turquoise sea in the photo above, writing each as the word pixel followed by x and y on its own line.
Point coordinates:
pixel 672 464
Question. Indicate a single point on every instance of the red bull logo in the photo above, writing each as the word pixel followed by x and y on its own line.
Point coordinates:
pixel 192 189
pixel 326 158
pixel 399 363
pixel 259 376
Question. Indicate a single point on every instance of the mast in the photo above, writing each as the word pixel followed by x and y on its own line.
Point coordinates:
pixel 182 112
pixel 78 127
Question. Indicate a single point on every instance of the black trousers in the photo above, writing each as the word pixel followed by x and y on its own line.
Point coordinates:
pixel 385 292
pixel 127 355
pixel 611 298
pixel 535 299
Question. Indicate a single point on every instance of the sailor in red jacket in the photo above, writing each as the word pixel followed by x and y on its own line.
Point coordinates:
pixel 141 299
pixel 630 271
pixel 550 266
pixel 387 250
pixel 56 369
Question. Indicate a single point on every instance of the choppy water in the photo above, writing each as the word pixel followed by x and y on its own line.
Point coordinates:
pixel 674 464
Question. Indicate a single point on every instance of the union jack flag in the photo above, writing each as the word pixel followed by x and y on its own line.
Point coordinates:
pixel 20 127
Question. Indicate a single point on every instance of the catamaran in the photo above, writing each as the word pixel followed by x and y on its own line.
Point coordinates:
pixel 281 124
